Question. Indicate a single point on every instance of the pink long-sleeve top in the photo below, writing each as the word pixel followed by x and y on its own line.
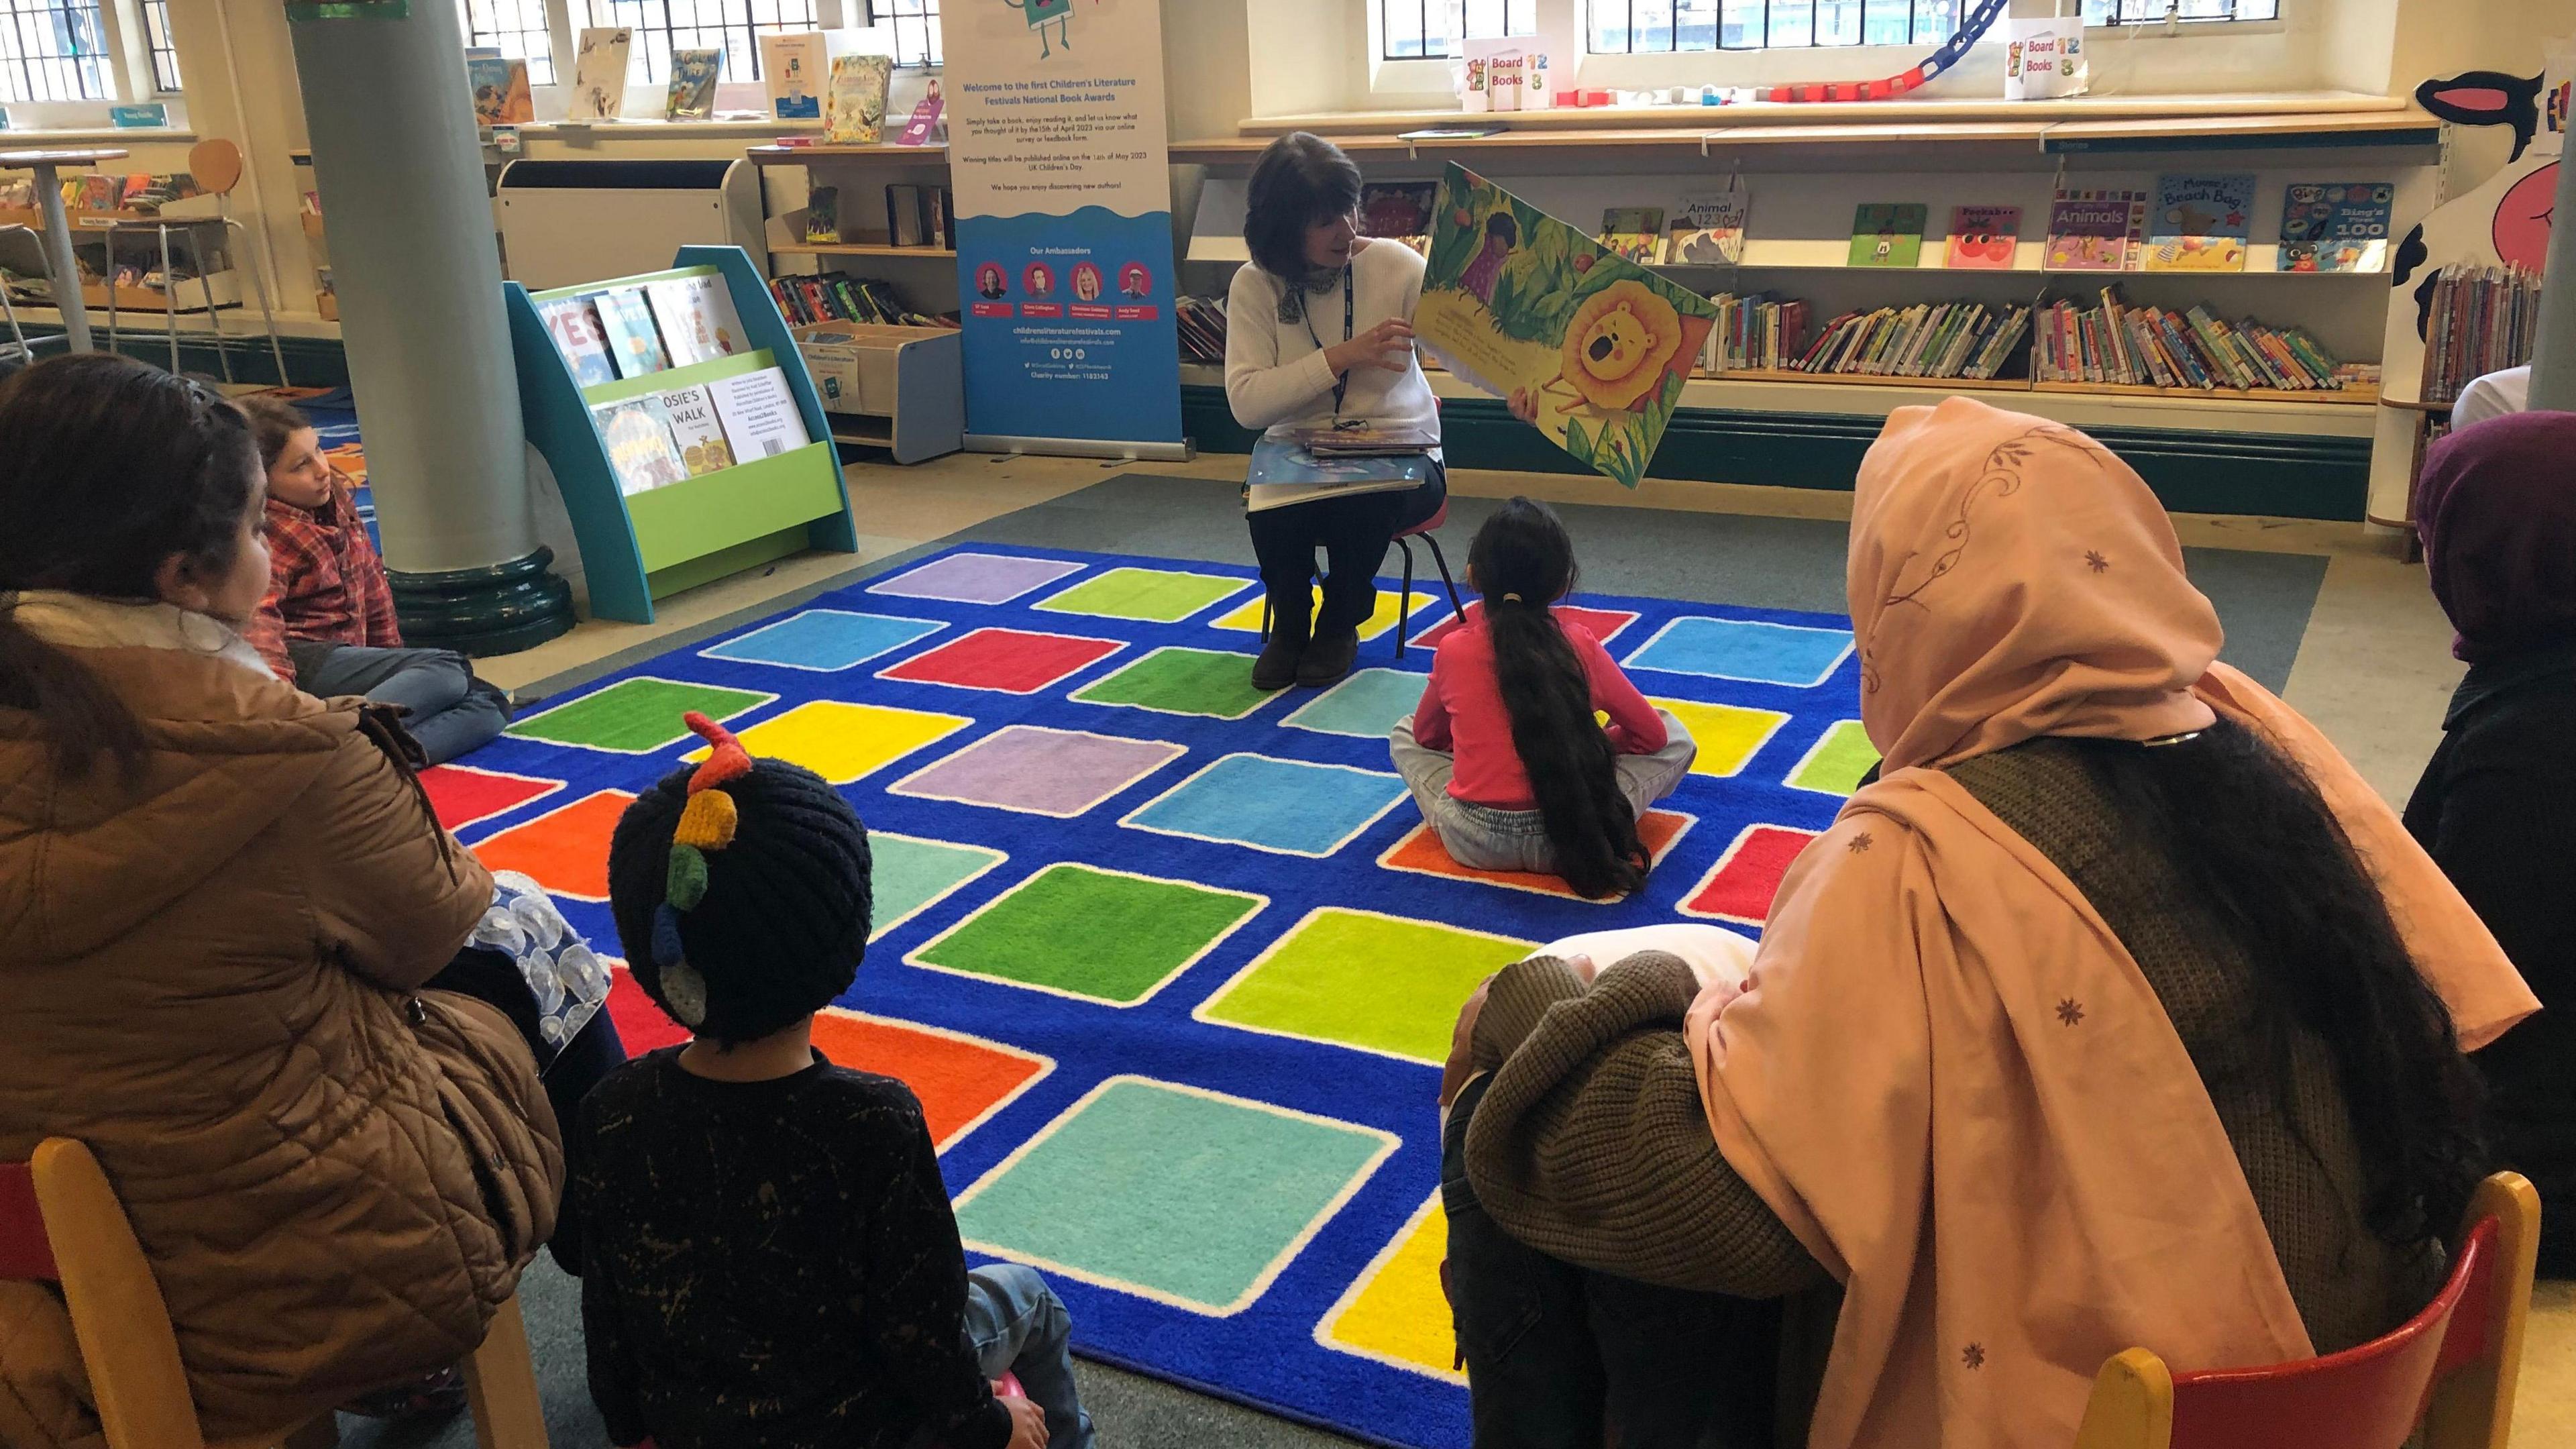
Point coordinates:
pixel 1462 712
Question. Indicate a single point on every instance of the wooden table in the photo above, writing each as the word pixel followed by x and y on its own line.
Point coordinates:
pixel 58 230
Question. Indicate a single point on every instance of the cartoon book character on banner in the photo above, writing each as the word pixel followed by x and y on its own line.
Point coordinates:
pixel 1588 347
pixel 1042 13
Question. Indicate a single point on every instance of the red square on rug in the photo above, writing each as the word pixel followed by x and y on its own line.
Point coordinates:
pixel 1011 661
pixel 564 850
pixel 1422 853
pixel 1605 624
pixel 1740 886
pixel 462 794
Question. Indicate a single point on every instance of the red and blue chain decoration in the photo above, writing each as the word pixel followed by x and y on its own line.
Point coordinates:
pixel 1939 62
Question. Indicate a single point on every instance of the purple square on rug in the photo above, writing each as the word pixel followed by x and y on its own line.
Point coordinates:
pixel 976 578
pixel 1036 771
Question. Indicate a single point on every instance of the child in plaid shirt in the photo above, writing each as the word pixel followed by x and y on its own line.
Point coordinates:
pixel 327 625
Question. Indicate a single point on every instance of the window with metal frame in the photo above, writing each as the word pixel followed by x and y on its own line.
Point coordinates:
pixel 2156 12
pixel 916 30
pixel 165 54
pixel 1651 27
pixel 53 50
pixel 664 25
pixel 1422 29
pixel 517 29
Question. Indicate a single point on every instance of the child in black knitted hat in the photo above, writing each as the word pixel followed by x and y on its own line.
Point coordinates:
pixel 769 1256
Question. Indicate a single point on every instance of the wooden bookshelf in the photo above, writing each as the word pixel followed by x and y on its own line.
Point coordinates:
pixel 859 249
pixel 2358 396
pixel 2347 397
pixel 888 154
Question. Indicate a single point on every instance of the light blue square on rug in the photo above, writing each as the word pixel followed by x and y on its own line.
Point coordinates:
pixel 825 640
pixel 1184 1196
pixel 1286 807
pixel 1364 706
pixel 1744 649
pixel 910 875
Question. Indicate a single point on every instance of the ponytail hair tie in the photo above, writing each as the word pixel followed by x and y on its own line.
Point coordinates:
pixel 1511 598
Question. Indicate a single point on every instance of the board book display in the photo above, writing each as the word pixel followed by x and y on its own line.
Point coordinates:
pixel 2336 226
pixel 1983 238
pixel 2200 223
pixel 716 460
pixel 1886 234
pixel 1593 346
pixel 2094 230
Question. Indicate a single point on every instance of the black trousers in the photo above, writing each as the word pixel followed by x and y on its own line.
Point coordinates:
pixel 1354 534
pixel 1555 1352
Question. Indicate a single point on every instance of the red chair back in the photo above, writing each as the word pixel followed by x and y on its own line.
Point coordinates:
pixel 2368 1397
pixel 25 1251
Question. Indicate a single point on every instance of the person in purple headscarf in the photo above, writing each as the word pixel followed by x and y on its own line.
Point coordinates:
pixel 2497 510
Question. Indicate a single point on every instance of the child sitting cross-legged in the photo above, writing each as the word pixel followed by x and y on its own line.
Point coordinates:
pixel 769 1257
pixel 1505 754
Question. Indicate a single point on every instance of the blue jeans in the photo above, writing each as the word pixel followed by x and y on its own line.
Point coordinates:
pixel 452 712
pixel 1016 1324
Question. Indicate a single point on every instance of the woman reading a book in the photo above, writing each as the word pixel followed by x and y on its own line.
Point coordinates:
pixel 1319 333
pixel 2118 1011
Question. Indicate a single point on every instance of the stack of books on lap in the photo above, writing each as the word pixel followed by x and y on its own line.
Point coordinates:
pixel 2135 346
pixel 1367 440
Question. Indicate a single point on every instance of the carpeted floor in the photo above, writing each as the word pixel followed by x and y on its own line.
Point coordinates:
pixel 1707 559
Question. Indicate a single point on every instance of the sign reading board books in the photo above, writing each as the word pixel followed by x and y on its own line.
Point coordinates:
pixel 2336 226
pixel 1888 235
pixel 2096 230
pixel 1056 144
pixel 1594 347
pixel 2200 223
pixel 1983 238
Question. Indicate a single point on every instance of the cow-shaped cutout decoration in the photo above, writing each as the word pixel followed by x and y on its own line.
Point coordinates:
pixel 2505 220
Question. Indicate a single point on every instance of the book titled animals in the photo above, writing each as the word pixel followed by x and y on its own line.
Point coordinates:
pixel 1983 238
pixel 573 322
pixel 854 108
pixel 627 319
pixel 2200 223
pixel 694 74
pixel 599 73
pixel 698 322
pixel 1634 232
pixel 2095 230
pixel 1886 234
pixel 696 430
pixel 2336 226
pixel 1708 231
pixel 640 449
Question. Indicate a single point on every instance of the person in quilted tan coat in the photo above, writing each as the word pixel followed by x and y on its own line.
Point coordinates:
pixel 220 902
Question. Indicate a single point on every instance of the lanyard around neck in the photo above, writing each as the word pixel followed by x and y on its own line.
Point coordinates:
pixel 1341 384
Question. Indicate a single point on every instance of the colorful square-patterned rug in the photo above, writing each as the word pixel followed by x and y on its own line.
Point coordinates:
pixel 1171 962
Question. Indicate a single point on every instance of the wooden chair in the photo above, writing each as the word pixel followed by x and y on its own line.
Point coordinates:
pixel 216 166
pixel 2450 1369
pixel 60 1223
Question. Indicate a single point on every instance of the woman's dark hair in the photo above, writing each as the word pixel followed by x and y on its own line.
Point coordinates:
pixel 2276 873
pixel 274 422
pixel 107 468
pixel 1301 181
pixel 1523 562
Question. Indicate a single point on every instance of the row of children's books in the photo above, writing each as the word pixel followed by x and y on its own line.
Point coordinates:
pixel 916 216
pixel 699 428
pixel 1970 340
pixel 141 192
pixel 2479 320
pixel 2122 343
pixel 2188 223
pixel 648 327
pixel 1202 328
pixel 846 92
pixel 840 297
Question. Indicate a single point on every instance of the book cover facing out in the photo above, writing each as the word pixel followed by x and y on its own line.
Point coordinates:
pixel 2200 223
pixel 1634 232
pixel 1709 230
pixel 1888 234
pixel 2336 226
pixel 2094 230
pixel 1397 209
pixel 1593 348
pixel 1983 238
pixel 854 108
pixel 694 74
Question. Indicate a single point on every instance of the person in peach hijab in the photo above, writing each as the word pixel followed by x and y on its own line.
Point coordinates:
pixel 2119 1011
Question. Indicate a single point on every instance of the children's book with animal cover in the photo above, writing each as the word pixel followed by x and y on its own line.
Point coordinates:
pixel 1709 230
pixel 488 76
pixel 640 450
pixel 2095 230
pixel 1888 234
pixel 1590 347
pixel 1398 211
pixel 697 317
pixel 599 73
pixel 628 320
pixel 823 215
pixel 1634 232
pixel 1983 238
pixel 574 325
pixel 2336 226
pixel 696 430
pixel 694 74
pixel 796 68
pixel 854 108
pixel 2200 223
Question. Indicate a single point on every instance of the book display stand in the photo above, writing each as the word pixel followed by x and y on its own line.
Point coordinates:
pixel 639 545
